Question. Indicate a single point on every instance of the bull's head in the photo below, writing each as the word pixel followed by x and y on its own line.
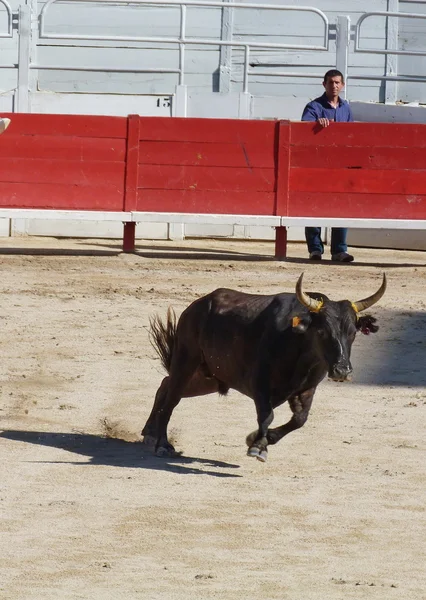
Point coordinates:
pixel 333 326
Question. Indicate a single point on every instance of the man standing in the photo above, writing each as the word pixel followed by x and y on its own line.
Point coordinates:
pixel 325 109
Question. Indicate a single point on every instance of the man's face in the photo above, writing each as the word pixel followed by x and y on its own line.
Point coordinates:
pixel 333 86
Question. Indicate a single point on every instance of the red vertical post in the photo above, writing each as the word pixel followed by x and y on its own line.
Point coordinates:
pixel 280 243
pixel 282 163
pixel 129 231
pixel 131 180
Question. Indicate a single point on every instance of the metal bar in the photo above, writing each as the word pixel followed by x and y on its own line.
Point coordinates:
pixel 97 69
pixel 214 3
pixel 391 60
pixel 343 37
pixel 285 74
pixel 23 87
pixel 246 70
pixel 129 235
pixel 386 51
pixel 225 58
pixel 182 45
pixel 199 3
pixel 280 243
pixel 398 52
pixel 9 33
pixel 419 78
pixel 413 78
pixel 192 41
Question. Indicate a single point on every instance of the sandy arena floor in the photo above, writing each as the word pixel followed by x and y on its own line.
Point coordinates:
pixel 86 512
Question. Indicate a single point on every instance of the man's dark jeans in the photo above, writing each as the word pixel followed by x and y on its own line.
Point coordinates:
pixel 338 239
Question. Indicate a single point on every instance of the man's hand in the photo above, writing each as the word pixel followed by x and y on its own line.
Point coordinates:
pixel 323 122
pixel 4 124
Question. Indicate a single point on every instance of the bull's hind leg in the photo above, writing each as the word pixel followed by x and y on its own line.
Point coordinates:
pixel 186 379
pixel 149 431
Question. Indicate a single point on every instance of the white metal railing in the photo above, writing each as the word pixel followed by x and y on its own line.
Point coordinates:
pixel 387 51
pixel 29 42
pixel 9 32
pixel 182 41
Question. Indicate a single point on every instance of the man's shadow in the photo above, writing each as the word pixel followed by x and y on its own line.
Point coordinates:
pixel 118 453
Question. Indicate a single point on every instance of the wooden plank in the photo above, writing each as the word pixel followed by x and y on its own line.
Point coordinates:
pixel 171 177
pixel 68 125
pixel 358 157
pixel 253 153
pixel 131 171
pixel 202 201
pixel 368 135
pixel 62 147
pixel 335 181
pixel 205 130
pixel 357 206
pixel 283 160
pixel 82 173
pixel 283 171
pixel 65 197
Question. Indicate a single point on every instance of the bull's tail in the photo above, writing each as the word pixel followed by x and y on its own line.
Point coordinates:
pixel 162 336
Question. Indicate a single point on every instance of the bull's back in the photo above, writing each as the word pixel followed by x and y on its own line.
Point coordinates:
pixel 230 329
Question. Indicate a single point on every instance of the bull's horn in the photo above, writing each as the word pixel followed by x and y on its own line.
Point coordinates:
pixel 367 302
pixel 310 303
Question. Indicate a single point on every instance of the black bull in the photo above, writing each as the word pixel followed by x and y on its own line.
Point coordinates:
pixel 273 349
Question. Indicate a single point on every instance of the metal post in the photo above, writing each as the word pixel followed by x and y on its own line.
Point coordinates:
pixel 244 105
pixel 225 60
pixel 391 87
pixel 343 38
pixel 129 234
pixel 180 101
pixel 281 243
pixel 23 92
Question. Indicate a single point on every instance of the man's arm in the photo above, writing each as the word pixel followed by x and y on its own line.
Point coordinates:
pixel 311 113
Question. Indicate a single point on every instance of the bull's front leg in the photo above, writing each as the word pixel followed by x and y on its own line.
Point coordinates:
pixel 300 405
pixel 258 440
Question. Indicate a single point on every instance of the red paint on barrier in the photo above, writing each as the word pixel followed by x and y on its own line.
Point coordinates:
pixel 214 166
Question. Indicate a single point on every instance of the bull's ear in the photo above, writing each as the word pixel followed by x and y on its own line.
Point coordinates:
pixel 366 324
pixel 300 324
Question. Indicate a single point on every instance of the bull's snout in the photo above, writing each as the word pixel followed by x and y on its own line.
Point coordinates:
pixel 340 372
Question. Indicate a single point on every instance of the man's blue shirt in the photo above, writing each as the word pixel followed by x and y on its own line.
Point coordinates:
pixel 320 108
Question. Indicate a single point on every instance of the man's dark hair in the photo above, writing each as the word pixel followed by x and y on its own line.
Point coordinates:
pixel 333 73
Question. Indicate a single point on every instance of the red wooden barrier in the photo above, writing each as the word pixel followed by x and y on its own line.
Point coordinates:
pixel 358 170
pixel 202 166
pixel 213 166
pixel 65 162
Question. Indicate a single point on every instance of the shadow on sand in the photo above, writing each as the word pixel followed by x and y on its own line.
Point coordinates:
pixel 119 453
pixel 176 252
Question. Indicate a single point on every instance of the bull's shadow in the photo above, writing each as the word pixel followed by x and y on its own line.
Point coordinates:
pixel 118 453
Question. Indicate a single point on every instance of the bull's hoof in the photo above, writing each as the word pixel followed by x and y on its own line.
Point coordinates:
pixel 251 438
pixel 149 441
pixel 166 451
pixel 256 452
